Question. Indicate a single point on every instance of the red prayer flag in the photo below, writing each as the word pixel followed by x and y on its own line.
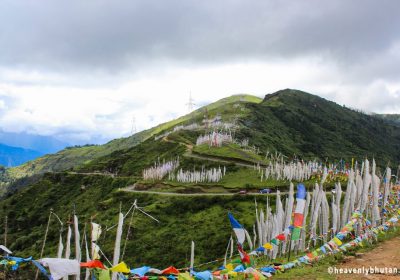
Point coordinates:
pixel 170 270
pixel 93 264
pixel 280 237
pixel 298 220
pixel 243 256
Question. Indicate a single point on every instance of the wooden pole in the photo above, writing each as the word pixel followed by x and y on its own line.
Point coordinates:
pixel 5 239
pixel 44 242
pixel 290 246
pixel 5 230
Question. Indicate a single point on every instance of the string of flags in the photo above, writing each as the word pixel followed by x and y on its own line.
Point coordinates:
pixel 366 213
pixel 58 268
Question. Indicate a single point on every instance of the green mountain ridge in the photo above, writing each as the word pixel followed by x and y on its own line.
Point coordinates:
pixel 295 123
pixel 71 157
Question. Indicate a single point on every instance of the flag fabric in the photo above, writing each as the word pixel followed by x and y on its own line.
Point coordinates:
pixel 298 212
pixel 60 268
pixel 170 270
pixel 275 241
pixel 280 237
pixel 95 251
pixel 267 246
pixel 337 241
pixel 101 274
pixel 184 276
pixel 5 249
pixel 60 247
pixel 93 264
pixel 96 231
pixel 238 229
pixel 204 275
pixel 243 255
pixel 42 269
pixel 141 271
pixel 77 243
pixel 117 246
pixel 121 267
pixel 296 233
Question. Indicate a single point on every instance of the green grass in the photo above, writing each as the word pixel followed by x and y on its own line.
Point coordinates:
pixel 202 219
pixel 250 179
pixel 296 123
pixel 229 152
pixel 76 156
pixel 290 121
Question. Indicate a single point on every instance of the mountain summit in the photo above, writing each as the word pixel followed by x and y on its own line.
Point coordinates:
pixel 292 122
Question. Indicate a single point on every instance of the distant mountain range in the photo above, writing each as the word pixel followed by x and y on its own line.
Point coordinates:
pixel 18 148
pixel 13 156
pixel 42 144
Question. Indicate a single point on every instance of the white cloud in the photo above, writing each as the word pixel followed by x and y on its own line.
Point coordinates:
pixel 2 105
pixel 94 114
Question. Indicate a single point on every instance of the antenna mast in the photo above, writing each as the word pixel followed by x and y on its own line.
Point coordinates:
pixel 133 128
pixel 190 104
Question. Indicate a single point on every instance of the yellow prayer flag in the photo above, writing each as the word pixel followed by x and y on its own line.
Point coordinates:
pixel 121 267
pixel 184 276
pixel 232 273
pixel 337 241
pixel 268 246
pixel 229 267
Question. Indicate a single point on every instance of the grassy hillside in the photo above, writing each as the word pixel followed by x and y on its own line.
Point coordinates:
pixel 296 123
pixel 289 121
pixel 182 219
pixel 71 157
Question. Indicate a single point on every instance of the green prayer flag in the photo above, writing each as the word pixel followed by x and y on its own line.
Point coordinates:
pixel 275 241
pixel 296 233
pixel 102 274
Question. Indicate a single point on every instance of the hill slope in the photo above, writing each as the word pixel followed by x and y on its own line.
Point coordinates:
pixel 292 122
pixel 75 156
pixel 297 123
pixel 288 121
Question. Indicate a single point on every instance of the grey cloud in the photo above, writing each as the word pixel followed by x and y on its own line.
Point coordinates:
pixel 119 35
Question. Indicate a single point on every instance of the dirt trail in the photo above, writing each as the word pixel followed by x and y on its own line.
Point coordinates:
pixel 386 254
pixel 132 189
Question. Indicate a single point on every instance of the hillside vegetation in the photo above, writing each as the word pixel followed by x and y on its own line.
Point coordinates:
pixel 93 180
pixel 296 123
pixel 75 156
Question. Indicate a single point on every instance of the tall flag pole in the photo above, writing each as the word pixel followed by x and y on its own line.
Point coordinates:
pixel 298 215
pixel 298 212
pixel 241 236
pixel 192 257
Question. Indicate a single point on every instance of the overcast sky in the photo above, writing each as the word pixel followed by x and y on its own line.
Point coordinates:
pixel 82 70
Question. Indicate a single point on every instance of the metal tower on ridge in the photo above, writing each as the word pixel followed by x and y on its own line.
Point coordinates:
pixel 133 129
pixel 190 104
